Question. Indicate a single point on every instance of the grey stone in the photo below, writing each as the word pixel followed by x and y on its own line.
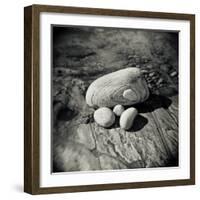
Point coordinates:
pixel 104 117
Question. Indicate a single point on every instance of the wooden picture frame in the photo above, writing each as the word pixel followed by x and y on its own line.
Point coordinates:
pixel 32 105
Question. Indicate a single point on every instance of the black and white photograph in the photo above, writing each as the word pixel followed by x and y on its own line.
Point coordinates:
pixel 114 98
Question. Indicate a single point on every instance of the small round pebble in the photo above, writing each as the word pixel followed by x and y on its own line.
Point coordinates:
pixel 104 117
pixel 118 110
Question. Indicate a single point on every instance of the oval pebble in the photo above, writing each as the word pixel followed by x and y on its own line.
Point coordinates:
pixel 127 118
pixel 159 81
pixel 151 74
pixel 118 110
pixel 104 117
pixel 111 89
pixel 173 74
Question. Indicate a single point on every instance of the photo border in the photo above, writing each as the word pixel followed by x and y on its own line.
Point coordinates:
pixel 32 98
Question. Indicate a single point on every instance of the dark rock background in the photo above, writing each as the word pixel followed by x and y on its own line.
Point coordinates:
pixel 81 55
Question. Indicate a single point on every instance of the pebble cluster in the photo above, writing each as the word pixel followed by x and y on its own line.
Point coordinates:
pixel 105 117
pixel 116 90
pixel 153 80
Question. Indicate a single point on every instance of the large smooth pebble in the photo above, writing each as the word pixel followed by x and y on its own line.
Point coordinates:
pixel 125 87
pixel 104 117
pixel 127 118
pixel 118 110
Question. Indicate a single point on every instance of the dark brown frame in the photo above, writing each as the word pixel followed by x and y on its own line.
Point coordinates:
pixel 32 106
